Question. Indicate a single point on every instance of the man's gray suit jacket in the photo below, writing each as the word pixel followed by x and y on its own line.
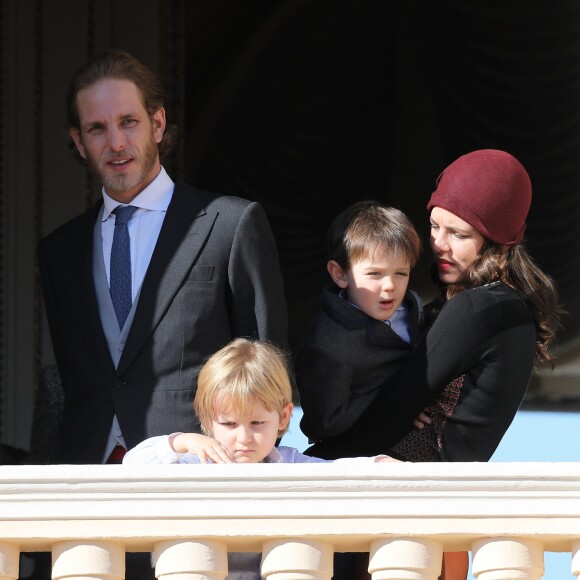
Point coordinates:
pixel 214 275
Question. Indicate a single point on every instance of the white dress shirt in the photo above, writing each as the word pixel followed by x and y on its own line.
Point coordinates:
pixel 144 227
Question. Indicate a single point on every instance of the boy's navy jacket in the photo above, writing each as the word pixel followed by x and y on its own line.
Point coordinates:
pixel 344 359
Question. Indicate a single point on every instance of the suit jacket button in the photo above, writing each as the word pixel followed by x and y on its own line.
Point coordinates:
pixel 119 384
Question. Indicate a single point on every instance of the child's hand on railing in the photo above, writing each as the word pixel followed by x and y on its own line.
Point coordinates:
pixel 206 448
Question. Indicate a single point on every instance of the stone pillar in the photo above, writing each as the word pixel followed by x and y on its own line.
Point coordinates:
pixel 191 560
pixel 408 558
pixel 507 559
pixel 297 559
pixel 9 561
pixel 95 560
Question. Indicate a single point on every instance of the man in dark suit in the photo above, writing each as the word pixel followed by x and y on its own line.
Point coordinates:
pixel 203 269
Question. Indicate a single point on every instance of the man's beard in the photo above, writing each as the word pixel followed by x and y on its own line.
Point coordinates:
pixel 121 183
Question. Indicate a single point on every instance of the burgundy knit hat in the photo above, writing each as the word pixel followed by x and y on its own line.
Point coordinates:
pixel 490 190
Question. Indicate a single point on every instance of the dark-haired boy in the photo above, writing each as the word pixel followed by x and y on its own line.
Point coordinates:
pixel 368 322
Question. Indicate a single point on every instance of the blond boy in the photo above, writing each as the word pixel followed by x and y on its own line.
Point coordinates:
pixel 244 404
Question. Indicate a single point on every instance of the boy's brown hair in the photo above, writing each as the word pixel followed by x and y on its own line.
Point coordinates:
pixel 120 65
pixel 368 228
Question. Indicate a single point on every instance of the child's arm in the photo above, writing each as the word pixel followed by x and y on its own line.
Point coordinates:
pixel 292 455
pixel 177 448
pixel 206 448
pixel 372 459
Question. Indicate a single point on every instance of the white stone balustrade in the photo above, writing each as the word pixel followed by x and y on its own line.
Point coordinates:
pixel 190 516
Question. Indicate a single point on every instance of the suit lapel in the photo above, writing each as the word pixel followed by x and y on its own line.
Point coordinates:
pixel 352 318
pixel 79 257
pixel 185 228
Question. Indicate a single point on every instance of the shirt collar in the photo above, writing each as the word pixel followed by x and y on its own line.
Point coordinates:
pixel 397 316
pixel 394 317
pixel 156 196
pixel 274 457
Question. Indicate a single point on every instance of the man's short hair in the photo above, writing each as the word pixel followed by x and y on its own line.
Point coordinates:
pixel 118 64
pixel 369 229
pixel 241 374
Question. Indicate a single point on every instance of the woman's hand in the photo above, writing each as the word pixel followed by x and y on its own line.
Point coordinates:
pixel 206 448
pixel 386 459
pixel 423 419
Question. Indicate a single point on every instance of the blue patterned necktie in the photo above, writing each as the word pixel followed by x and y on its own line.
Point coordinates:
pixel 120 270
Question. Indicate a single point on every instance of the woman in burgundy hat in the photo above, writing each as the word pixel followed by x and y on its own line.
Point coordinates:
pixel 498 317
pixel 491 337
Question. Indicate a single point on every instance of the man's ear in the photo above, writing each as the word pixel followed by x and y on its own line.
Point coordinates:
pixel 75 135
pixel 158 121
pixel 337 274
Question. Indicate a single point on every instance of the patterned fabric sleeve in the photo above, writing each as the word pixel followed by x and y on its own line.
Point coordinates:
pixel 426 444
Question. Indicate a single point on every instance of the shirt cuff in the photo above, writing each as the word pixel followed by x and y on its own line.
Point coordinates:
pixel 165 451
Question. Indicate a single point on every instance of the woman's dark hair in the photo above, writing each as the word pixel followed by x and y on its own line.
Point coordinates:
pixel 117 64
pixel 517 269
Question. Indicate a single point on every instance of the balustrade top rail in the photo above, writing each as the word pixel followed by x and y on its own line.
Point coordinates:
pixel 346 504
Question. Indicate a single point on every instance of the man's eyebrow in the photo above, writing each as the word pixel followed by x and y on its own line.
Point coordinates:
pixel 91 124
pixel 98 123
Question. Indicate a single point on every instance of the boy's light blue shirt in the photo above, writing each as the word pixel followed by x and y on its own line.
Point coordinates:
pixel 399 321
pixel 158 450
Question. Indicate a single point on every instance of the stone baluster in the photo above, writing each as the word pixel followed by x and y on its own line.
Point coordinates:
pixel 297 559
pixel 95 560
pixel 507 559
pixel 191 560
pixel 409 558
pixel 576 558
pixel 9 560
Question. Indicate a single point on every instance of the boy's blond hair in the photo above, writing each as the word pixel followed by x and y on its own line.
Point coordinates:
pixel 241 374
pixel 368 229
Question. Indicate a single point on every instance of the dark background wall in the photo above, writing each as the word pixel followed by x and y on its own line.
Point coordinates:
pixel 309 106
pixel 305 106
